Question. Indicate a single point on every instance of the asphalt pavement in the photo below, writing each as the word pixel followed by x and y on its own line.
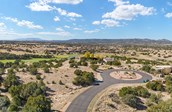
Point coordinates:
pixel 81 103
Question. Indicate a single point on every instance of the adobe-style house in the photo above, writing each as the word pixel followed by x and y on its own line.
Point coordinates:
pixel 107 59
pixel 164 69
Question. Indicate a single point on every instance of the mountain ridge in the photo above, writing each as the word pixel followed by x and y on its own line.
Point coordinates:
pixel 101 41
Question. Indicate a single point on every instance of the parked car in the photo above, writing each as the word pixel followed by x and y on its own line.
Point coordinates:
pixel 145 81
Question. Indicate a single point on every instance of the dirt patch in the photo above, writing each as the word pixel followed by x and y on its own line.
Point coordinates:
pixel 122 75
pixel 105 103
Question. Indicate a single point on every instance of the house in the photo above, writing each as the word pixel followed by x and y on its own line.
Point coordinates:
pixel 164 69
pixel 107 59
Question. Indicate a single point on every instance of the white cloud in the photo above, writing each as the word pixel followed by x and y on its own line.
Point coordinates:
pixel 2 27
pixel 56 19
pixel 96 23
pixel 73 2
pixel 43 5
pixel 72 14
pixel 91 31
pixel 24 23
pixel 66 26
pixel 11 34
pixel 127 11
pixel 59 29
pixel 68 14
pixel 119 2
pixel 107 22
pixel 39 6
pixel 77 29
pixel 64 34
pixel 110 23
pixel 29 24
pixel 168 15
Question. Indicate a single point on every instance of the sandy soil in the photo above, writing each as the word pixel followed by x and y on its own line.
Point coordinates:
pixel 125 75
pixel 61 95
pixel 103 102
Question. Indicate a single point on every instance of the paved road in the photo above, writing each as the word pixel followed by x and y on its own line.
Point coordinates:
pixel 81 103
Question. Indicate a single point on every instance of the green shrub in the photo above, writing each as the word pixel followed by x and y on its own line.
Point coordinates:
pixel 38 77
pixel 37 104
pixel 161 107
pixel 127 90
pixel 4 102
pixel 2 71
pixel 146 68
pixel 168 80
pixel 78 72
pixel 21 93
pixel 142 92
pixel 168 88
pixel 138 91
pixel 74 65
pixel 155 85
pixel 10 80
pixel 131 100
pixel 46 70
pixel 33 71
pixel 13 108
pixel 155 98
pixel 84 79
pixel 94 67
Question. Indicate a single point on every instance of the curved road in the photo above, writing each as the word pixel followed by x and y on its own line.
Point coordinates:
pixel 81 103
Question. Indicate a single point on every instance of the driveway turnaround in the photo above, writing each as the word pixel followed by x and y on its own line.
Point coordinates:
pixel 81 103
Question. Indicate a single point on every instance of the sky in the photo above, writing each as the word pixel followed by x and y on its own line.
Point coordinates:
pixel 85 19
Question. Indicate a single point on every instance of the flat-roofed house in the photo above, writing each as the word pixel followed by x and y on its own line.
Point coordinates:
pixel 107 59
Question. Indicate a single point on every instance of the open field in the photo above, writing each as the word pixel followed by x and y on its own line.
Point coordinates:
pixel 64 71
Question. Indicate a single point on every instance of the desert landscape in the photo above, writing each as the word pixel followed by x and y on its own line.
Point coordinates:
pixel 65 75
pixel 85 56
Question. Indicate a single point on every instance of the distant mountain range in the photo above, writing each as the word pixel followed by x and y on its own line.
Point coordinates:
pixel 29 39
pixel 101 41
pixel 120 41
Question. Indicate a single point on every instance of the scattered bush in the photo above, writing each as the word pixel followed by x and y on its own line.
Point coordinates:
pixel 13 108
pixel 161 107
pixel 21 93
pixel 61 83
pixel 131 100
pixel 46 70
pixel 4 102
pixel 53 82
pixel 146 68
pixel 10 80
pixel 142 92
pixel 38 77
pixel 33 70
pixel 37 104
pixel 84 78
pixel 155 98
pixel 74 65
pixel 94 67
pixel 155 85
pixel 127 90
pixel 2 71
pixel 168 80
